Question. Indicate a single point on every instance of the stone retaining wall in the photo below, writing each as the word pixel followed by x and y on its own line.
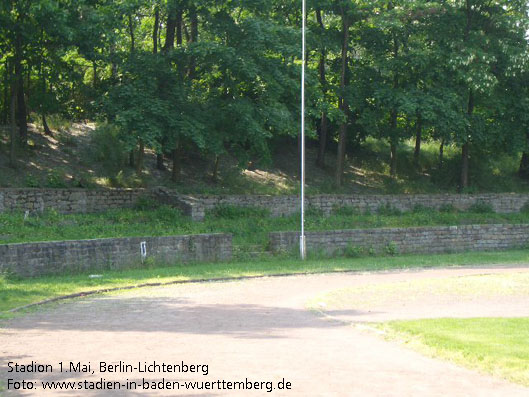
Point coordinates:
pixel 197 206
pixel 69 201
pixel 429 240
pixel 64 257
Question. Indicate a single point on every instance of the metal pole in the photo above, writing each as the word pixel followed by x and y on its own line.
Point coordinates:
pixel 302 244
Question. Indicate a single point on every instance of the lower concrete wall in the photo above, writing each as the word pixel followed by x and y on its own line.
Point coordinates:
pixel 37 259
pixel 439 239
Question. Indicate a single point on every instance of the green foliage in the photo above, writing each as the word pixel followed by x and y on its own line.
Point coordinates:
pixel 107 149
pixel 388 210
pixel 56 179
pixel 480 207
pixel 228 83
pixel 448 208
pixel 145 203
pixel 314 212
pixel 418 208
pixel 344 211
pixel 249 226
pixel 392 249
pixel 235 212
pixel 352 251
pixel 32 181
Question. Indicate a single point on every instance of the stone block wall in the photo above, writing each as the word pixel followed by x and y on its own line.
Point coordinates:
pixel 428 240
pixel 64 257
pixel 69 201
pixel 197 206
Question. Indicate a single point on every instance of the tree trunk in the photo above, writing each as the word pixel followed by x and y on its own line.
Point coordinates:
pixel 21 103
pixel 298 157
pixel 131 158
pixel 171 27
pixel 193 39
pixel 13 135
pixel 523 171
pixel 393 144
pixel 463 184
pixel 28 91
pixel 159 156
pixel 94 68
pixel 464 167
pixel 322 133
pixel 131 33
pixel 47 130
pixel 441 153
pixel 215 176
pixel 465 149
pixel 323 126
pixel 179 37
pixel 155 30
pixel 7 98
pixel 342 133
pixel 393 159
pixel 175 175
pixel 141 155
pixel 159 162
pixel 418 139
pixel 394 113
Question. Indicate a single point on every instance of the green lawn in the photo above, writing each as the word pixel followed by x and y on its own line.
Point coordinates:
pixel 250 227
pixel 18 292
pixel 498 346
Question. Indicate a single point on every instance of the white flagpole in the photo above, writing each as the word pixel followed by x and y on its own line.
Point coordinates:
pixel 302 244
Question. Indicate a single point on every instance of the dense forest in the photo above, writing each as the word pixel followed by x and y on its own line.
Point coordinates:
pixel 223 77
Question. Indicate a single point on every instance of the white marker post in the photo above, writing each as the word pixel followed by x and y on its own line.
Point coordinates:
pixel 302 244
pixel 143 250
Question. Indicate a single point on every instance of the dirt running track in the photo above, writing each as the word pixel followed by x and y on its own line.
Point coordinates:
pixel 256 329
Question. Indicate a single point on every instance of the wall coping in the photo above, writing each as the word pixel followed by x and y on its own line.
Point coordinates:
pixel 119 238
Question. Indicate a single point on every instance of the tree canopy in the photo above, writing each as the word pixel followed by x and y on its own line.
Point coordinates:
pixel 222 78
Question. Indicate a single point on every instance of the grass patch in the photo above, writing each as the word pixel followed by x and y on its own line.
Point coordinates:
pixel 498 346
pixel 249 226
pixel 16 292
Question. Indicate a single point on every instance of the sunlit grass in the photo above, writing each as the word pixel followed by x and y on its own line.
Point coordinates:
pixel 498 346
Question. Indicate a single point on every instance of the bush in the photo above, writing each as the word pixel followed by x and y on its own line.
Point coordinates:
pixel 236 212
pixel 421 209
pixel 448 209
pixel 32 181
pixel 146 203
pixel 392 249
pixel 314 212
pixel 345 211
pixel 481 207
pixel 55 179
pixel 352 251
pixel 388 210
pixel 106 148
